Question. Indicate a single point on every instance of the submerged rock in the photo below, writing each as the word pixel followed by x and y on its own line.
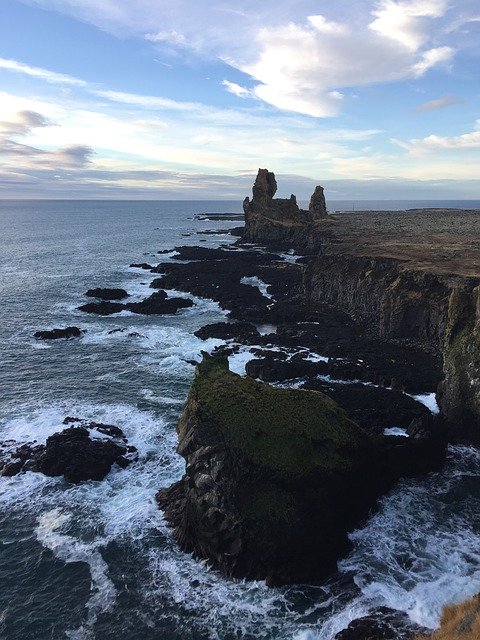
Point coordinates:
pixel 107 294
pixel 276 478
pixel 56 334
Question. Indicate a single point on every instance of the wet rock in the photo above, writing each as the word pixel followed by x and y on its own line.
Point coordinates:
pixel 104 308
pixel 107 294
pixel 243 332
pixel 381 624
pixel 373 407
pixel 159 304
pixel 72 453
pixel 56 334
pixel 142 265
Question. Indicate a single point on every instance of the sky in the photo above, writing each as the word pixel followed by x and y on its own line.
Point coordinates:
pixel 186 99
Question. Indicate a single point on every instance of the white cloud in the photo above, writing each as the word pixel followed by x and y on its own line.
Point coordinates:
pixel 301 60
pixel 172 37
pixel 38 72
pixel 403 21
pixel 236 89
pixel 435 143
pixel 149 102
pixel 431 58
pixel 321 24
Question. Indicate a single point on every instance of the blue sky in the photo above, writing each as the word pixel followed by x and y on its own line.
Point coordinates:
pixel 186 99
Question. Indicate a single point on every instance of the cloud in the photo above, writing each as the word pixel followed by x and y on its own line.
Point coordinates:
pixel 431 58
pixel 435 143
pixel 300 60
pixel 22 123
pixel 149 102
pixel 439 103
pixel 404 21
pixel 236 89
pixel 38 72
pixel 173 37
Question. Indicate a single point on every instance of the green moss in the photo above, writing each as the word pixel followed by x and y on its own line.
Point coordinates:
pixel 289 431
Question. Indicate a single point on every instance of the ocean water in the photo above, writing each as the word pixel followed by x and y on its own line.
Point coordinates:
pixel 96 561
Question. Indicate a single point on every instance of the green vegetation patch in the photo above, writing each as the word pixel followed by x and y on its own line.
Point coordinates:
pixel 289 431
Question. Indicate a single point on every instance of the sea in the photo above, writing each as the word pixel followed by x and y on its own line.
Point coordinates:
pixel 96 561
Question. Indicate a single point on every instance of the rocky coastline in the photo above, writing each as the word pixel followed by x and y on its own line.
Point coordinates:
pixel 384 324
pixel 359 362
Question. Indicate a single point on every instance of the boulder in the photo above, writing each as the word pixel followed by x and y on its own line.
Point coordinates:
pixel 381 624
pixel 56 334
pixel 72 453
pixel 107 294
pixel 318 207
pixel 104 308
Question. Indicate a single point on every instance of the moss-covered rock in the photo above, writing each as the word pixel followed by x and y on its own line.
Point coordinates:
pixel 275 478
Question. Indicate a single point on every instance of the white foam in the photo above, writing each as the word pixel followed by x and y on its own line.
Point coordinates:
pixel 395 431
pixel 429 400
pixel 70 549
pixel 238 361
pixel 259 284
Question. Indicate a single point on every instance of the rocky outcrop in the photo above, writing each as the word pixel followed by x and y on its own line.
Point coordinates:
pixel 58 334
pixel 275 220
pixel 72 453
pixel 276 478
pixel 381 624
pixel 107 294
pixel 157 304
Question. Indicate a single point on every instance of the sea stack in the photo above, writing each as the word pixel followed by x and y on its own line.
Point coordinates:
pixel 276 478
pixel 289 219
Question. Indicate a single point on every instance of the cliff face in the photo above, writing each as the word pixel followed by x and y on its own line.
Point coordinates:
pixel 276 478
pixel 458 622
pixel 397 304
pixel 382 270
pixel 459 393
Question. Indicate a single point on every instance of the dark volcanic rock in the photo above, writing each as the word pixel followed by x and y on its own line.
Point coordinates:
pixel 244 332
pixel 276 478
pixel 104 308
pixel 159 304
pixel 107 294
pixel 289 221
pixel 372 407
pixel 71 453
pixel 142 265
pixel 74 455
pixel 55 334
pixel 381 624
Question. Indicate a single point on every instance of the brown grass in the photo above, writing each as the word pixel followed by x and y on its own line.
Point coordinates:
pixel 458 622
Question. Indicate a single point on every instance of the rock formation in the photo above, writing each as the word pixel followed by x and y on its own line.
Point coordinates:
pixel 289 218
pixel 72 453
pixel 276 478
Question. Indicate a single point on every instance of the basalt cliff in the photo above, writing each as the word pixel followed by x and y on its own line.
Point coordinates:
pixel 389 302
pixel 408 275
